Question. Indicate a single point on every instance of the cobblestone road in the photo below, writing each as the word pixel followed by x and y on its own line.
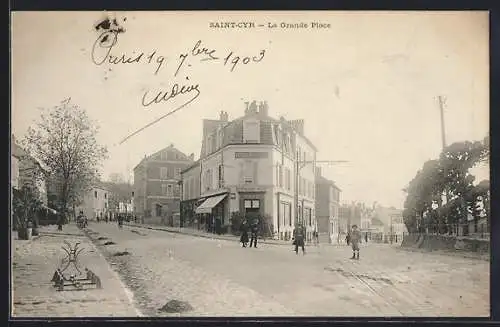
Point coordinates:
pixel 34 263
pixel 219 277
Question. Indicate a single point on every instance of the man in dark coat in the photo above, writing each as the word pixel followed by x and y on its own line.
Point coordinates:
pixel 244 233
pixel 355 240
pixel 254 232
pixel 298 239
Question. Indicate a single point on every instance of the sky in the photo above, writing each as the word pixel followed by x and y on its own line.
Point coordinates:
pixel 366 87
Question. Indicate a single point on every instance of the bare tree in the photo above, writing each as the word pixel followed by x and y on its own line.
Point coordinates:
pixel 64 141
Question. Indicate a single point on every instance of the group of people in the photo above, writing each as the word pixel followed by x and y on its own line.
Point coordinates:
pixel 299 234
pixel 254 231
pixel 81 220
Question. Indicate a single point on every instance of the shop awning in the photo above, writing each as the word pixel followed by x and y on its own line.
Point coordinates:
pixel 210 203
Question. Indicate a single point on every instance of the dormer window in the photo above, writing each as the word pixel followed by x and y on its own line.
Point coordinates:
pixel 251 131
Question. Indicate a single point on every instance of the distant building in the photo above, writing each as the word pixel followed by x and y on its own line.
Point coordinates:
pixel 327 208
pixel 247 165
pixel 95 203
pixel 388 223
pixel 157 185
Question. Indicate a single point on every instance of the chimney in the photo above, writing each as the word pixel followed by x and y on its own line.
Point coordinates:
pixel 191 157
pixel 252 108
pixel 263 108
pixel 246 107
pixel 171 145
pixel 223 116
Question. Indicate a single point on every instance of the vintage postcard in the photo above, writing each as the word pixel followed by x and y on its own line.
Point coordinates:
pixel 196 164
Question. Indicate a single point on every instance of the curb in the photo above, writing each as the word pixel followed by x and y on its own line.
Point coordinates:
pixel 451 254
pixel 201 235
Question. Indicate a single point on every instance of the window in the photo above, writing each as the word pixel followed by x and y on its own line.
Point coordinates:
pixel 169 190
pixel 178 172
pixel 95 194
pixel 288 179
pixel 248 172
pixel 280 180
pixel 163 172
pixel 276 134
pixel 208 180
pixel 251 131
pixel 209 145
pixel 221 177
pixel 252 204
pixel 163 189
pixel 277 173
pixel 308 216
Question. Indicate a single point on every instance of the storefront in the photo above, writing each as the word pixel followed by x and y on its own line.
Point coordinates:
pixel 211 213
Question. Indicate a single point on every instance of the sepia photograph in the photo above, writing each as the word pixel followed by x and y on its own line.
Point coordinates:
pixel 249 164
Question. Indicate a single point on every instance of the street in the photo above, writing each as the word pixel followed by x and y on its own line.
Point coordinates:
pixel 219 278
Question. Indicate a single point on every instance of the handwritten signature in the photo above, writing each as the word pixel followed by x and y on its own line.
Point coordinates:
pixel 102 54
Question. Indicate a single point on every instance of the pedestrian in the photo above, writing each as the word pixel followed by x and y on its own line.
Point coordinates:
pixel 348 238
pixel 59 221
pixel 244 233
pixel 254 233
pixel 355 239
pixel 120 221
pixel 298 239
pixel 366 238
pixel 316 238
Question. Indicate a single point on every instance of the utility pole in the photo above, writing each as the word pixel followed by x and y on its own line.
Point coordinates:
pixel 442 100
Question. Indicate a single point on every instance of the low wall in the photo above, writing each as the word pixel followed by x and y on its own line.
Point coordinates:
pixel 446 243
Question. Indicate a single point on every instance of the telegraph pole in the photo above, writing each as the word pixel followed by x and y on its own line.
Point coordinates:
pixel 442 100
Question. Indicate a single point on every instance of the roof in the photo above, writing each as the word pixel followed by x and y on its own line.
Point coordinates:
pixel 232 128
pixel 324 180
pixel 196 163
pixel 170 147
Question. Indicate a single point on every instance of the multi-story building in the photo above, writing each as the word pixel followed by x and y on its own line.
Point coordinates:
pixel 327 208
pixel 255 165
pixel 191 184
pixel 157 185
pixel 95 203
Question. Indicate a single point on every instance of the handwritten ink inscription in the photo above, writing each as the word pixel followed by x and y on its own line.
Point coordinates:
pixel 104 53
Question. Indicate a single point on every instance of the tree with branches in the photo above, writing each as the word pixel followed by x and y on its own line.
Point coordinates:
pixel 64 142
pixel 448 177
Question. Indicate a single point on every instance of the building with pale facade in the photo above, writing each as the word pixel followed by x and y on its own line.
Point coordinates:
pixel 327 208
pixel 252 166
pixel 95 203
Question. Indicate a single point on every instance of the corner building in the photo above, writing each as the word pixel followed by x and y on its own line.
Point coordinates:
pixel 249 165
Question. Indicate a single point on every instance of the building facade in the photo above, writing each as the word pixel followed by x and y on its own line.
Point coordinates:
pixel 157 185
pixel 249 166
pixel 95 203
pixel 327 208
pixel 27 171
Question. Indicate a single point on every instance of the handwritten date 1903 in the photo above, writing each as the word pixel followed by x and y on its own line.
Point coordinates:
pixel 232 60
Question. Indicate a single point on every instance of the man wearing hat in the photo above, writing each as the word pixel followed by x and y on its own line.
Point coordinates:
pixel 355 239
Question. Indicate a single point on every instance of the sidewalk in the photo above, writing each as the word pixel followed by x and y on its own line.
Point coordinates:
pixel 33 265
pixel 198 233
